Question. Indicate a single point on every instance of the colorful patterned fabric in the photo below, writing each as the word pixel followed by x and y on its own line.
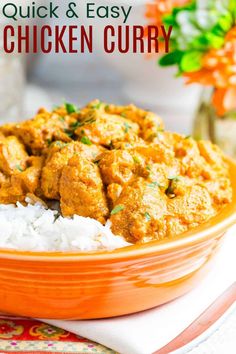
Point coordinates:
pixel 29 336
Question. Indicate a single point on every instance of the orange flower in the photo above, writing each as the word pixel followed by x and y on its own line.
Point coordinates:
pixel 219 71
pixel 159 8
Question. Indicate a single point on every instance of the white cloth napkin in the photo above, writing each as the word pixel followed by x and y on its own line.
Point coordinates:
pixel 146 332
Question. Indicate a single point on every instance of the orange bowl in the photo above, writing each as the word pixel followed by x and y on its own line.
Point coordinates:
pixel 107 284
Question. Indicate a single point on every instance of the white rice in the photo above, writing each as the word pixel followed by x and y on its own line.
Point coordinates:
pixel 35 228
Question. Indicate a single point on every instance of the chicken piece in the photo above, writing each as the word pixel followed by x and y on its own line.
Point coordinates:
pixel 139 212
pixel 22 182
pixel 38 133
pixel 113 192
pixel 116 166
pixel 59 155
pixel 144 212
pixel 191 209
pixel 7 129
pixel 99 127
pixel 12 155
pixel 82 191
pixel 151 162
pixel 216 180
pixel 149 123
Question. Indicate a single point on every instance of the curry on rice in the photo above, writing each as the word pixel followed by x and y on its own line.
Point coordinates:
pixel 114 162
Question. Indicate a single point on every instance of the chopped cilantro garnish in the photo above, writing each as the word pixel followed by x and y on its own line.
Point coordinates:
pixel 19 168
pixel 153 184
pixel 170 190
pixel 76 125
pixel 60 144
pixel 174 178
pixel 117 209
pixel 147 216
pixel 136 159
pixel 124 115
pixel 85 140
pixel 148 168
pixel 187 137
pixel 127 127
pixel 49 141
pixel 107 107
pixel 69 132
pixel 96 105
pixel 71 108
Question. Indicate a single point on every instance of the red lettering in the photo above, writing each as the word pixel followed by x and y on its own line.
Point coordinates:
pixel 153 42
pixel 123 41
pixel 46 45
pixel 107 48
pixel 23 38
pixel 8 32
pixel 166 36
pixel 72 39
pixel 35 40
pixel 87 39
pixel 59 43
pixel 138 37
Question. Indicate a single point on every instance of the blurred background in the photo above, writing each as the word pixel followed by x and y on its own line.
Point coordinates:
pixel 26 83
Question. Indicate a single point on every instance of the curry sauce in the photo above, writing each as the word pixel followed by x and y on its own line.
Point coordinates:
pixel 114 162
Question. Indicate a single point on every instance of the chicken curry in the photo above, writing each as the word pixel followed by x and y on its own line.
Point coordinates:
pixel 114 162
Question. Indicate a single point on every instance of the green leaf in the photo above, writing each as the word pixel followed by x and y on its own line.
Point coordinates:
pixel 71 108
pixel 85 140
pixel 19 168
pixel 200 43
pixel 96 105
pixel 226 22
pixel 191 61
pixel 153 184
pixel 147 216
pixel 215 41
pixel 117 209
pixel 169 20
pixel 174 178
pixel 136 159
pixel 171 58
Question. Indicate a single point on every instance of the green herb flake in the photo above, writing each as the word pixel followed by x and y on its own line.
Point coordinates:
pixel 19 168
pixel 117 209
pixel 148 168
pixel 85 140
pixel 136 159
pixel 124 115
pixel 187 137
pixel 71 108
pixel 69 132
pixel 75 125
pixel 96 105
pixel 49 141
pixel 147 216
pixel 170 190
pixel 174 178
pixel 127 127
pixel 153 184
pixel 62 119
pixel 60 144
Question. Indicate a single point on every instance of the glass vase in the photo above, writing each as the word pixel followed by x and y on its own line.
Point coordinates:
pixel 209 126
